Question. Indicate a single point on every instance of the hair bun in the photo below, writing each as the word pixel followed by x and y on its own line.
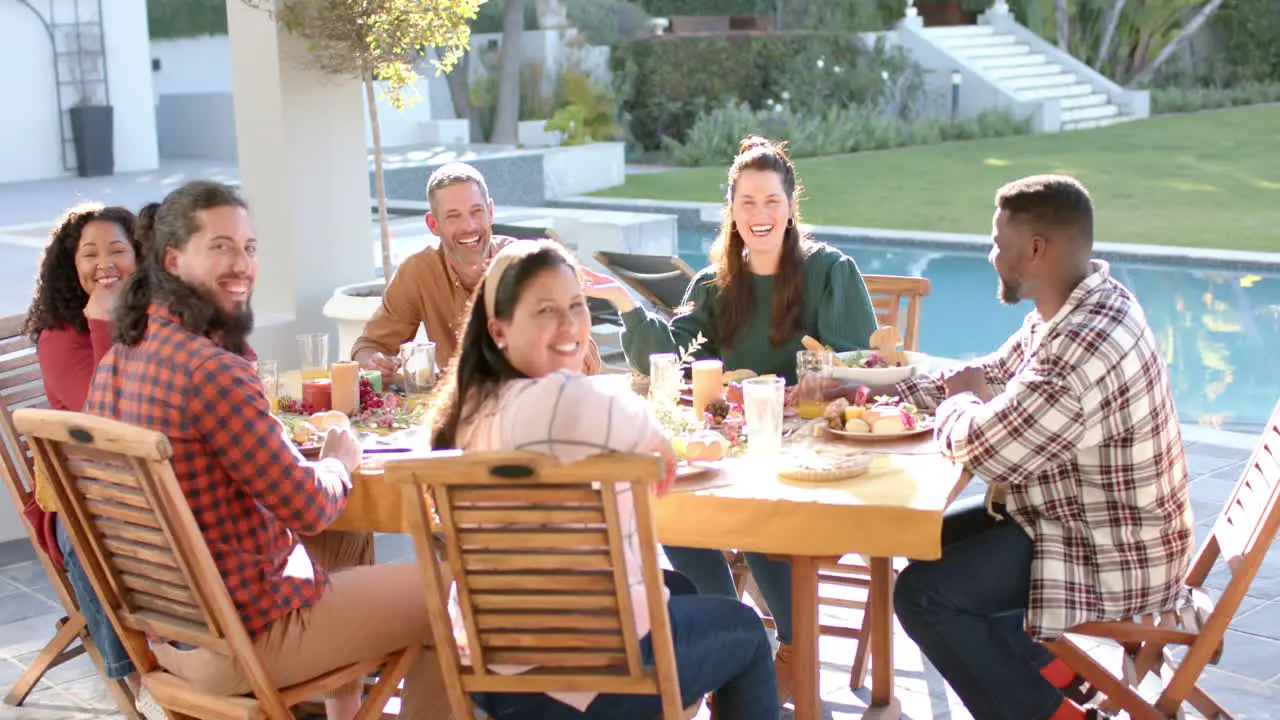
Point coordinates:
pixel 752 142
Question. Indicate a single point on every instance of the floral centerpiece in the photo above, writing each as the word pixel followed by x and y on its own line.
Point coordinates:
pixel 379 411
pixel 717 433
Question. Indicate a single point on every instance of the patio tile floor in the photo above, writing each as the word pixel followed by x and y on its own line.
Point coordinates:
pixel 1247 680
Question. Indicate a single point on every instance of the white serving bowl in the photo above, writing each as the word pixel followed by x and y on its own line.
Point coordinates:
pixel 916 363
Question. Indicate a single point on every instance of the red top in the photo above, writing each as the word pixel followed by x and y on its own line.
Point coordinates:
pixel 68 358
pixel 249 489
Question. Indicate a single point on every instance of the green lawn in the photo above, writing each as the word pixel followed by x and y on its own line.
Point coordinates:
pixel 1210 179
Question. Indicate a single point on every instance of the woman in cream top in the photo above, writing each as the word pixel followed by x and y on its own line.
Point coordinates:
pixel 515 386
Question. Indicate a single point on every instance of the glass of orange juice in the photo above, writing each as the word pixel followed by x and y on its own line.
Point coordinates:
pixel 812 368
pixel 269 375
pixel 313 353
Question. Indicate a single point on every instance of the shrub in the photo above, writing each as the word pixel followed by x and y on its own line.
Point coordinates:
pixel 607 22
pixel 1183 99
pixel 667 82
pixel 713 139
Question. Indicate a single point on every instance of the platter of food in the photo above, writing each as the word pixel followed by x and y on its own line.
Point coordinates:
pixel 885 363
pixel 881 418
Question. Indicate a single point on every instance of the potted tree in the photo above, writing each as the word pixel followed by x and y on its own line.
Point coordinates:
pixel 377 41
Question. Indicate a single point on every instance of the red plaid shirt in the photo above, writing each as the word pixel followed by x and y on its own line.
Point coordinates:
pixel 249 489
pixel 1083 434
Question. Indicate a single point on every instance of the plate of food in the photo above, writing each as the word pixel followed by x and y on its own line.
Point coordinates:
pixel 307 431
pixel 881 418
pixel 885 363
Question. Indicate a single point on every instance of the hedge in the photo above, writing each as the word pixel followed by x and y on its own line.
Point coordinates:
pixel 665 82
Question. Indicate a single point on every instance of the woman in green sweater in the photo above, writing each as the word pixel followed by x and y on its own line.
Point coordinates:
pixel 768 286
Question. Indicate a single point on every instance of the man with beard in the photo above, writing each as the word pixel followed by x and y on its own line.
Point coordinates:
pixel 1072 421
pixel 433 286
pixel 179 368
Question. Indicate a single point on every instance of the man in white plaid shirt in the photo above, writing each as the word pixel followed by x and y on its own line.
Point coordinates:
pixel 1073 422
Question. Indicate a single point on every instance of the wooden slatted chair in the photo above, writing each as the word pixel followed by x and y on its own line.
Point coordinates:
pixel 536 549
pixel 888 294
pixel 22 386
pixel 1241 537
pixel 150 565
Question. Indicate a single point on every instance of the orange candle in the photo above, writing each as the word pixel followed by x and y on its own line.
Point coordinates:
pixel 345 392
pixel 708 384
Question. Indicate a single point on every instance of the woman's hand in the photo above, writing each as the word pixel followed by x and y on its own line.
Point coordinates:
pixel 606 288
pixel 102 301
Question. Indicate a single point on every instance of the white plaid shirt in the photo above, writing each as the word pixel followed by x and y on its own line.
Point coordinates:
pixel 1083 434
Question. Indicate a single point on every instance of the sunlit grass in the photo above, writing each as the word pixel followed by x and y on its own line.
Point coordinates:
pixel 1210 180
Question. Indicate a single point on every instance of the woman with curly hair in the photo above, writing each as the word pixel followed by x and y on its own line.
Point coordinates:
pixel 89 255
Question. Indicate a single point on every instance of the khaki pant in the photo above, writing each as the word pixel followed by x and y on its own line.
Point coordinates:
pixel 367 611
pixel 335 550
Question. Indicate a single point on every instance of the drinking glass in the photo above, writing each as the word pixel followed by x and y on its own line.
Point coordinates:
pixel 812 367
pixel 269 376
pixel 762 400
pixel 313 353
pixel 664 378
pixel 418 366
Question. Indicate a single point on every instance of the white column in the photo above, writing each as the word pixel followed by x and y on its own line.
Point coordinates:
pixel 305 173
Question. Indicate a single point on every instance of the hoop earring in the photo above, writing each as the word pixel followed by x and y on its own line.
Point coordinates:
pixel 791 222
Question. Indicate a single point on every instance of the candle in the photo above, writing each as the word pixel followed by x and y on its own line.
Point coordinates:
pixel 316 393
pixel 345 391
pixel 708 384
pixel 374 377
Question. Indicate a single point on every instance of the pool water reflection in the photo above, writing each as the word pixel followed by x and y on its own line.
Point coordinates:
pixel 1219 330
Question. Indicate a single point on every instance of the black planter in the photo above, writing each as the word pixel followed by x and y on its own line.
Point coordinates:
pixel 93 128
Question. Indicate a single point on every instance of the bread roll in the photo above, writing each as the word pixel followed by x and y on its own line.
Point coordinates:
pixel 322 421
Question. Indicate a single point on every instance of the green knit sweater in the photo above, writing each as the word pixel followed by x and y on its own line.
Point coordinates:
pixel 836 310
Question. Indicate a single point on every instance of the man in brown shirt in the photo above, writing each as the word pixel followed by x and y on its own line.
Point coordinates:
pixel 433 286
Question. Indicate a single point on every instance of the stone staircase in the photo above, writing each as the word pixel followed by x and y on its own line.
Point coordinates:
pixel 1030 75
pixel 1004 64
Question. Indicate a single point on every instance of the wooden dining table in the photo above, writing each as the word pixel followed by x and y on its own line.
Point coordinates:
pixel 892 510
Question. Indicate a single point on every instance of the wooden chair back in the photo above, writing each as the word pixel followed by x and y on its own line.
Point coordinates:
pixel 1241 536
pixel 147 560
pixel 537 549
pixel 20 386
pixel 660 279
pixel 887 295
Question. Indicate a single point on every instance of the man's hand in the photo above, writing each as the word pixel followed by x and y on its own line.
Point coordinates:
pixel 606 288
pixel 102 302
pixel 343 444
pixel 970 379
pixel 371 359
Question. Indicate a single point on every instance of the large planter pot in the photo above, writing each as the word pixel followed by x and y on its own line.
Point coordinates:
pixel 350 308
pixel 93 129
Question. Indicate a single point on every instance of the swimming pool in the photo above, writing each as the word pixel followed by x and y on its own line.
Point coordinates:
pixel 1219 330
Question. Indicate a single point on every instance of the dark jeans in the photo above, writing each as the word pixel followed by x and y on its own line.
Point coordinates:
pixel 710 572
pixel 114 658
pixel 966 612
pixel 720 647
